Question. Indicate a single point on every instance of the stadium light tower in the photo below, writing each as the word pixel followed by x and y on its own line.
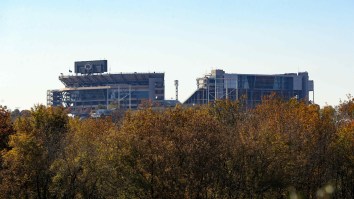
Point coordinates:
pixel 176 85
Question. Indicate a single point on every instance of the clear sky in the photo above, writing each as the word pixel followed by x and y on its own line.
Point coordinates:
pixel 185 39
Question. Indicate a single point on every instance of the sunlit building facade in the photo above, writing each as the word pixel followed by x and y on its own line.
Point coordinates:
pixel 252 87
pixel 91 87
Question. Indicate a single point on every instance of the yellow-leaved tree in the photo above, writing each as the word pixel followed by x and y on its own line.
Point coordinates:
pixel 35 145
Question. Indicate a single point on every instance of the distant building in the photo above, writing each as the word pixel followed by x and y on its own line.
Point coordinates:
pixel 92 88
pixel 221 85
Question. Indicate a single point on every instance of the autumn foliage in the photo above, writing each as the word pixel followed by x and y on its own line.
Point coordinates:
pixel 280 149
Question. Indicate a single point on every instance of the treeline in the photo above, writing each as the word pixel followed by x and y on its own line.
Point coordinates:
pixel 280 149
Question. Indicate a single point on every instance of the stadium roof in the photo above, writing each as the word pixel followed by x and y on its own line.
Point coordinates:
pixel 108 79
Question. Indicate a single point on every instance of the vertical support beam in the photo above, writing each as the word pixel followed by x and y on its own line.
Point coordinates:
pixel 227 91
pixel 107 100
pixel 130 97
pixel 118 97
pixel 215 89
pixel 313 96
pixel 236 88
pixel 207 81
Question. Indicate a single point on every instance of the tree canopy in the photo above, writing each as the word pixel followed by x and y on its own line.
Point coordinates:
pixel 279 149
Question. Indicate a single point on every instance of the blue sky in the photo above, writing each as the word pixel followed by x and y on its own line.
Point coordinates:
pixel 185 39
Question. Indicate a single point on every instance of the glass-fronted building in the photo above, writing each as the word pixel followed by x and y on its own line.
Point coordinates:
pixel 252 87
